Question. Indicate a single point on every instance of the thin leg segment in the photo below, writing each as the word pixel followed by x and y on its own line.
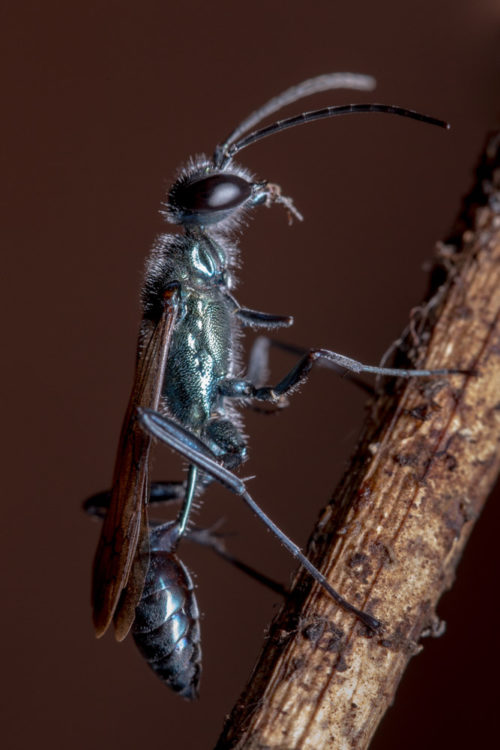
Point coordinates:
pixel 188 500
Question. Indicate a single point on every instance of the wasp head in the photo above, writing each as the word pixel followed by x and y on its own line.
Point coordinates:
pixel 204 194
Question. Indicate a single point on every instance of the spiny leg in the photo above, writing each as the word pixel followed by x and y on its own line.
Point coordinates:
pixel 258 374
pixel 199 454
pixel 301 351
pixel 240 388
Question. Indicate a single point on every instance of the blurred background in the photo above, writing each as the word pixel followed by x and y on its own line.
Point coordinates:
pixel 102 101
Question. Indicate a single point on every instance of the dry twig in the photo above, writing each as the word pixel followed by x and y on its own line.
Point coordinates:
pixel 392 536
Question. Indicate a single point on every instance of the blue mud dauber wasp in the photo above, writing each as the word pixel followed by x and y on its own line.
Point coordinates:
pixel 187 388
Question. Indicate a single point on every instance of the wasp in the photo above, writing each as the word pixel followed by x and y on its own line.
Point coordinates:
pixel 189 383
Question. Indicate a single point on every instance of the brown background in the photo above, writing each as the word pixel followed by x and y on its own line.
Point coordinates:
pixel 101 102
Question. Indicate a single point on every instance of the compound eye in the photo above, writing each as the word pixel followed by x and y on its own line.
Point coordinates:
pixel 209 199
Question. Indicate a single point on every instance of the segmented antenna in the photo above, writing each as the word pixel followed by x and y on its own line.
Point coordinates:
pixel 325 82
pixel 321 114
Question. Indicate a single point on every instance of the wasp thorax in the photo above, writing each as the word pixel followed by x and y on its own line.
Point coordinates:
pixel 207 200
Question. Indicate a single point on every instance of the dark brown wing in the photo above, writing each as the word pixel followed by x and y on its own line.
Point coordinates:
pixel 125 528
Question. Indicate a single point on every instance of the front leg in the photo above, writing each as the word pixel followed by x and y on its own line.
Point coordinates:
pixel 255 318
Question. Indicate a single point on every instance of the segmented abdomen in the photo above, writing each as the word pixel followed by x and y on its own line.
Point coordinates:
pixel 167 624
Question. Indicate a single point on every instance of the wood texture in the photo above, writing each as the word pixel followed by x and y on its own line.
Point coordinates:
pixel 394 532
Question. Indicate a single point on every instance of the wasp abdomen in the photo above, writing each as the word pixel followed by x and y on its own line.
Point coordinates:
pixel 167 625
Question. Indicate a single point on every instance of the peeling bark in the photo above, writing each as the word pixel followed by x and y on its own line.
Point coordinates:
pixel 394 532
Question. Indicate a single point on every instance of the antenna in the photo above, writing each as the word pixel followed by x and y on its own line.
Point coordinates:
pixel 321 114
pixel 325 82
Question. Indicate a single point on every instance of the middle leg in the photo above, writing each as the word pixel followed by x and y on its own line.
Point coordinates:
pixel 245 388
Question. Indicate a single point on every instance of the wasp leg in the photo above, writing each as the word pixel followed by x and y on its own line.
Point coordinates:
pixel 300 351
pixel 165 492
pixel 255 318
pixel 258 374
pixel 236 388
pixel 258 366
pixel 200 455
pixel 161 493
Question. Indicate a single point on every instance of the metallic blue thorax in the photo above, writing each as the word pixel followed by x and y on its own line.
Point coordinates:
pixel 201 352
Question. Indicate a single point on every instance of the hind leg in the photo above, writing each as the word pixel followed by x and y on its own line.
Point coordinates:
pixel 201 456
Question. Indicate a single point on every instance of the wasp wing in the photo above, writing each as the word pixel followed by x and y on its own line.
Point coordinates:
pixel 125 528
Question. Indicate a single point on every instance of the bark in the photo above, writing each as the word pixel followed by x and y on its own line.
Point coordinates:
pixel 392 536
